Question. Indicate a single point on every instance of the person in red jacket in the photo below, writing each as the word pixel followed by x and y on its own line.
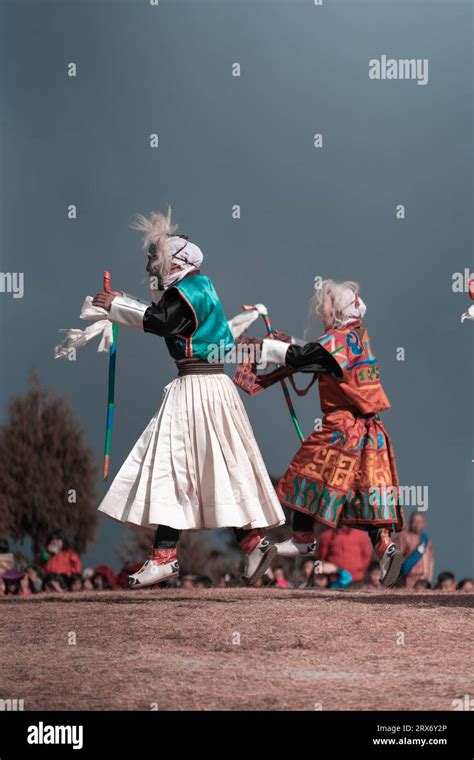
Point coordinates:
pixel 347 548
pixel 59 558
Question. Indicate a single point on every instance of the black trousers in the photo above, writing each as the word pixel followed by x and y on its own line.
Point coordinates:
pixel 167 538
pixel 303 523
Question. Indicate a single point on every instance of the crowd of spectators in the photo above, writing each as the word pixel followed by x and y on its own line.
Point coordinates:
pixel 344 560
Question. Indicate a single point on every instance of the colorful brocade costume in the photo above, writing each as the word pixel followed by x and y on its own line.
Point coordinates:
pixel 345 472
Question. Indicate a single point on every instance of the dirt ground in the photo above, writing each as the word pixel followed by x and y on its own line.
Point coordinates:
pixel 230 649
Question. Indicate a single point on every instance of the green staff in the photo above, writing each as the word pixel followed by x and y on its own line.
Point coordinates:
pixel 111 389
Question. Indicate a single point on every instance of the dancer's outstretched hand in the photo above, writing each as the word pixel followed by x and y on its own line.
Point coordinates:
pixel 248 341
pixel 104 300
pixel 282 336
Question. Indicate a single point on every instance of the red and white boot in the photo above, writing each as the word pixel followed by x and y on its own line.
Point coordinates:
pixel 160 566
pixel 389 555
pixel 301 544
pixel 260 552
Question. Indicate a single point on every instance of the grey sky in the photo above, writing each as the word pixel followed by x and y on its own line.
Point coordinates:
pixel 305 211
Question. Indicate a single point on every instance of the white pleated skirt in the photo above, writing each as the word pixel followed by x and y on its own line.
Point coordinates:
pixel 197 464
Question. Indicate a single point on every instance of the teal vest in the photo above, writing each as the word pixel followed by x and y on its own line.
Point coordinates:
pixel 212 331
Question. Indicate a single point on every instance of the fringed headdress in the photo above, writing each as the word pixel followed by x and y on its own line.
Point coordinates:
pixel 337 303
pixel 166 249
pixel 158 232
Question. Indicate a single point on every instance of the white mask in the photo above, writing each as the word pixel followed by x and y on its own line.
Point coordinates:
pixel 350 307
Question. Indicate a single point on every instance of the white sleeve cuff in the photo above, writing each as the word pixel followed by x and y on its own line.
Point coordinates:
pixel 242 322
pixel 128 311
pixel 274 351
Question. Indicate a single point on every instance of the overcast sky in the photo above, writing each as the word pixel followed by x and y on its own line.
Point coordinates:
pixel 306 211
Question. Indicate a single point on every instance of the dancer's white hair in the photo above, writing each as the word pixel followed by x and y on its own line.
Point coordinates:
pixel 157 230
pixel 331 300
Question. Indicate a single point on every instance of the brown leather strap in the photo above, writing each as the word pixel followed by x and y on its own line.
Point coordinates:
pixel 303 391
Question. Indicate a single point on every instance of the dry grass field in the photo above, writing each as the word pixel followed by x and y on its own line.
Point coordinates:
pixel 237 649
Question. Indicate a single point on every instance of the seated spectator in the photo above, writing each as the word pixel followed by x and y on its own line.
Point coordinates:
pixel 76 582
pixel 422 585
pixel 104 578
pixel 6 557
pixel 417 550
pixel 305 579
pixel 99 582
pixel 55 583
pixel 372 582
pixel 188 581
pixel 320 580
pixel 59 558
pixel 446 582
pixel 467 584
pixel 280 580
pixel 12 582
pixel 36 577
pixel 87 584
pixel 348 548
pixel 203 582
pixel 26 586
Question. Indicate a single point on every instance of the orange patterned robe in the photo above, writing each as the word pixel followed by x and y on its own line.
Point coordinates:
pixel 346 472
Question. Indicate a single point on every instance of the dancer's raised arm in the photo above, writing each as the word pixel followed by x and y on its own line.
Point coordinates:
pixel 171 316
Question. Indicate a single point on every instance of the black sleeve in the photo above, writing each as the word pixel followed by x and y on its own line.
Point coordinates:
pixel 312 357
pixel 171 316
